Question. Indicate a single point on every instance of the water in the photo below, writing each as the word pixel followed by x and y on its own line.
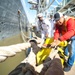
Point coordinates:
pixel 11 62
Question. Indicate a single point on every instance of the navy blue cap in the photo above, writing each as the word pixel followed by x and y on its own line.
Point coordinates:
pixel 57 16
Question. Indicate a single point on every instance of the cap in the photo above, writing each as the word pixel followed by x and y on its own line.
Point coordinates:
pixel 57 16
pixel 40 15
pixel 33 24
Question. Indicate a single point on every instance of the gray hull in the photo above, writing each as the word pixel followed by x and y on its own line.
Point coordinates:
pixel 10 18
pixel 10 31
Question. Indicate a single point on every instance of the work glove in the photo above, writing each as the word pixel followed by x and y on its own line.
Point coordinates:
pixel 55 43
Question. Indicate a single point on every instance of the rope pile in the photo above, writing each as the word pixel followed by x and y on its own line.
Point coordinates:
pixel 8 51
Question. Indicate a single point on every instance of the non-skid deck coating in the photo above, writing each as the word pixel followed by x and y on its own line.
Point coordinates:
pixel 71 72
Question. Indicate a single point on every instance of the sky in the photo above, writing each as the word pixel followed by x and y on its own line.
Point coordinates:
pixel 31 14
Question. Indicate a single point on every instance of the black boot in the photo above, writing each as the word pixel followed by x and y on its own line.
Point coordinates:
pixel 67 67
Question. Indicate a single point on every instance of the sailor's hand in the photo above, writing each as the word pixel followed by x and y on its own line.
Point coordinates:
pixel 55 43
pixel 44 45
pixel 46 35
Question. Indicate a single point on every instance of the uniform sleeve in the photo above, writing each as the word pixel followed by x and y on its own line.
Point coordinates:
pixel 37 25
pixel 49 30
pixel 47 22
pixel 70 30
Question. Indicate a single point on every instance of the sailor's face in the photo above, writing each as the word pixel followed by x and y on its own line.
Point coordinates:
pixel 40 18
pixel 60 21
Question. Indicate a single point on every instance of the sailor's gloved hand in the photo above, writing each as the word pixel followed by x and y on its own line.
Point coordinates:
pixel 55 43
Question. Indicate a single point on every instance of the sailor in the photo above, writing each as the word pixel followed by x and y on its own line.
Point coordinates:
pixel 43 26
pixel 52 25
pixel 65 30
